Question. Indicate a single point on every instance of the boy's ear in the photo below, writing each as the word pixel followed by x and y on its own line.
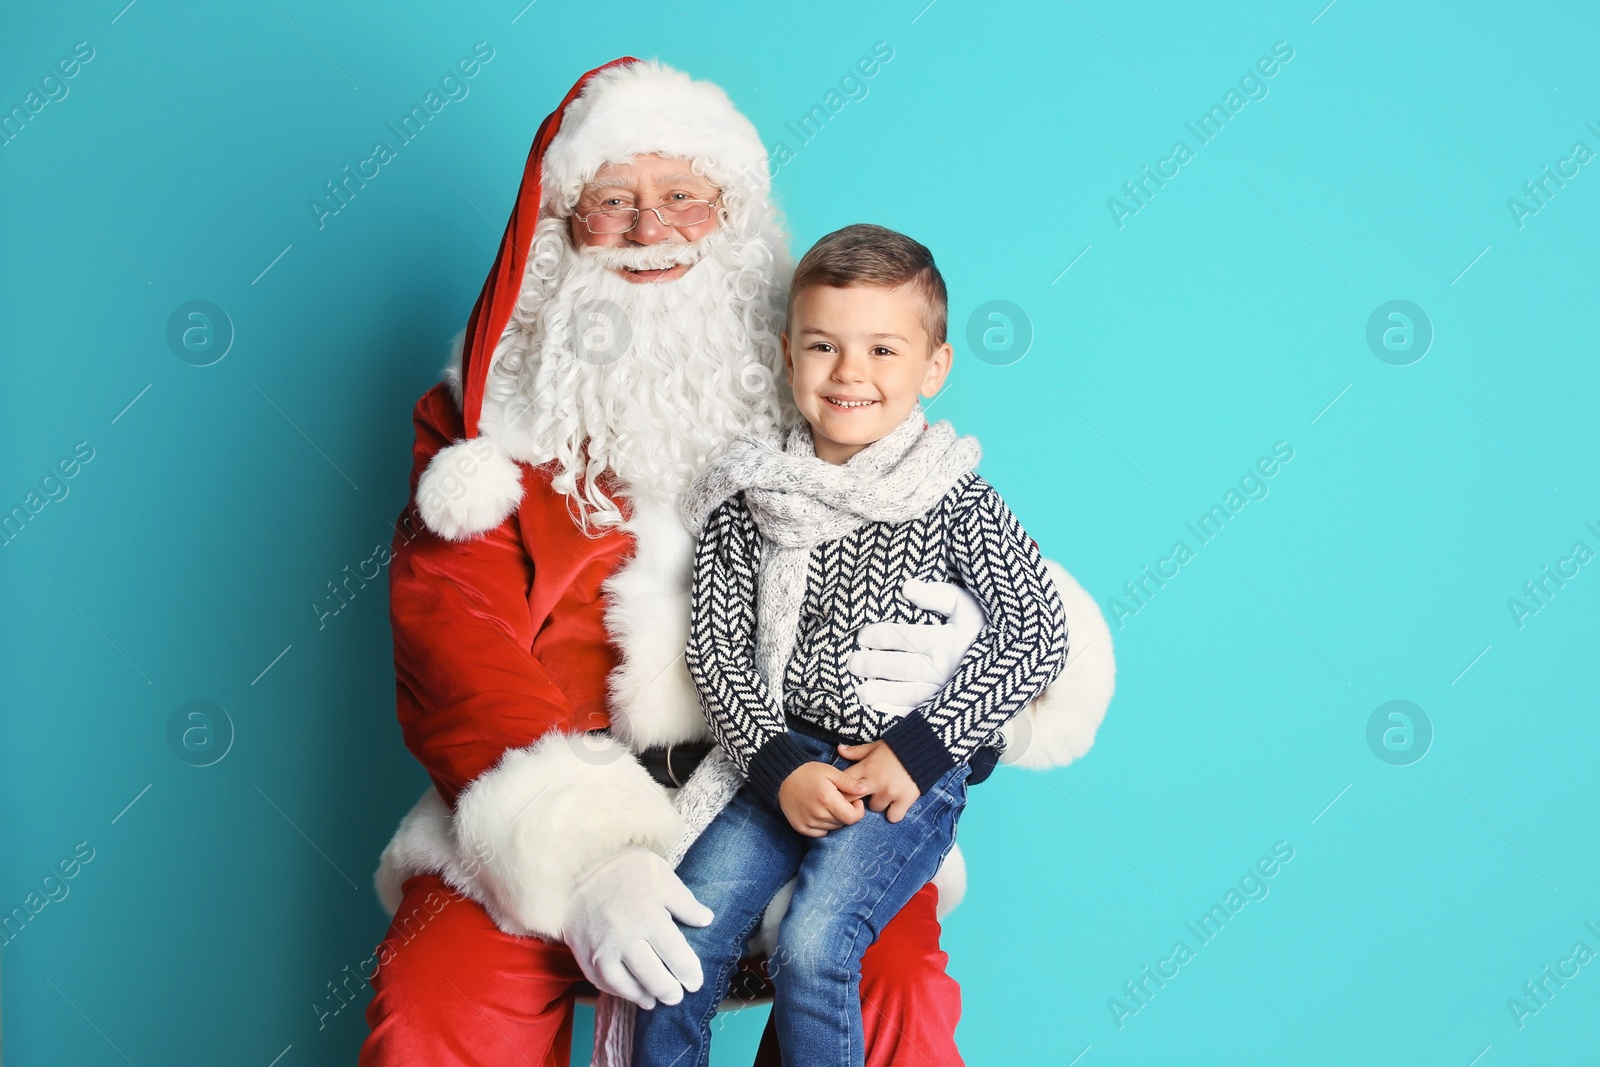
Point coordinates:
pixel 788 363
pixel 938 369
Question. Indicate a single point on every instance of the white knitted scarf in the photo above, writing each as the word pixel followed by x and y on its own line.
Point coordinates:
pixel 797 502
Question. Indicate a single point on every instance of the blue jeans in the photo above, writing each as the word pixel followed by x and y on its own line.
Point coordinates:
pixel 851 882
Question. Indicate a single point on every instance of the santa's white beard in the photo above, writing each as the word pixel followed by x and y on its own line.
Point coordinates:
pixel 647 380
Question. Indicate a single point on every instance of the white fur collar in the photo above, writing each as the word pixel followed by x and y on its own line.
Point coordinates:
pixel 653 699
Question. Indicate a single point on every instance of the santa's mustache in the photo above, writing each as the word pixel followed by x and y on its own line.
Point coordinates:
pixel 649 257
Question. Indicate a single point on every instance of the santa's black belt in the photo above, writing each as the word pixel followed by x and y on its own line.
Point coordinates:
pixel 671 765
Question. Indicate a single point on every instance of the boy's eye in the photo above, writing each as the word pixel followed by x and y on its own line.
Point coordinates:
pixel 882 350
pixel 820 346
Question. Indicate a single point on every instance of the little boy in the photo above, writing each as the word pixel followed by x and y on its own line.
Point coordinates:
pixel 805 536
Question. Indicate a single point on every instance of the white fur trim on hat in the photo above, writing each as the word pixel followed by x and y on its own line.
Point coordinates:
pixel 468 488
pixel 1059 725
pixel 647 107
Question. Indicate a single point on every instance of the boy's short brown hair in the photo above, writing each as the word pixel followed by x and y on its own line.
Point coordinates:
pixel 865 254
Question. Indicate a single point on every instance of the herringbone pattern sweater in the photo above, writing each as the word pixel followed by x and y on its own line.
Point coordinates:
pixel 970 537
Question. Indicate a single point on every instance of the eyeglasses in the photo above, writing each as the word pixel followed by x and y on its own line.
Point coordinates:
pixel 675 213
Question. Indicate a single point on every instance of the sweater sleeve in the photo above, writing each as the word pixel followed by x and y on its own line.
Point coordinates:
pixel 742 712
pixel 1021 649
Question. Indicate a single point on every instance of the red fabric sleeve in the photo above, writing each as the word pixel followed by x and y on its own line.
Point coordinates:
pixel 467 685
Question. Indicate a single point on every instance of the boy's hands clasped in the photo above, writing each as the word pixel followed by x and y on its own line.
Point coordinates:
pixel 818 797
pixel 892 788
pixel 900 665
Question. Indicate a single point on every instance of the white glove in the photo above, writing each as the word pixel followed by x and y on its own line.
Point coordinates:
pixel 904 664
pixel 620 929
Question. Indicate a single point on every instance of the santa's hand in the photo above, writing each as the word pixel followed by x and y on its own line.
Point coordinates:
pixel 621 931
pixel 903 664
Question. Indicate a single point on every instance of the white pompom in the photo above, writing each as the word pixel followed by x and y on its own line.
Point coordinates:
pixel 469 488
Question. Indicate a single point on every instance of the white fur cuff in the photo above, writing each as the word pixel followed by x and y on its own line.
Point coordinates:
pixel 525 831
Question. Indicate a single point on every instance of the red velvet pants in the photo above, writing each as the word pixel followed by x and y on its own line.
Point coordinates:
pixel 452 989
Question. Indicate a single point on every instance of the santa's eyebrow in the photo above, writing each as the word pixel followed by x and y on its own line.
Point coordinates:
pixel 682 179
pixel 617 181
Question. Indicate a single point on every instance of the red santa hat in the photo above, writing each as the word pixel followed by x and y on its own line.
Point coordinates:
pixel 627 107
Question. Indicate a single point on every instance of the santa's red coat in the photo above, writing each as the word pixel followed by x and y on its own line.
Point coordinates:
pixel 502 639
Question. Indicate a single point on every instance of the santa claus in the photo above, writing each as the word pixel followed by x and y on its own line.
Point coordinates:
pixel 539 595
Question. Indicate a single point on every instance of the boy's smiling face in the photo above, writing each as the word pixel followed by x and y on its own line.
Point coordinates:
pixel 858 358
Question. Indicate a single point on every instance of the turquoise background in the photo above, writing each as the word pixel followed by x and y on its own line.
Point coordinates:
pixel 1229 313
